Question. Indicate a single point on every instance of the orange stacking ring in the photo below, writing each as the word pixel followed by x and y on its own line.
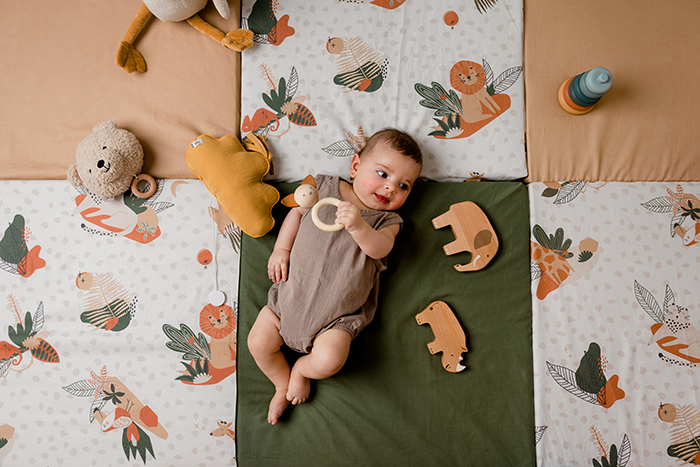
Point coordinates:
pixel 567 104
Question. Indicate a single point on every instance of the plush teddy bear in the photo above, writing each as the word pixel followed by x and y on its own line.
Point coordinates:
pixel 107 162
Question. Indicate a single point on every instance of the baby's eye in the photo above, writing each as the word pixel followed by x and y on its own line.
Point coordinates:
pixel 381 174
pixel 403 186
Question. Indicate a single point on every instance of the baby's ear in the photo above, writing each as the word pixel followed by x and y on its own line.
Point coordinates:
pixel 73 176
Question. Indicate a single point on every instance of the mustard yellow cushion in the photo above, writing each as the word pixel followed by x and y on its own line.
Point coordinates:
pixel 233 172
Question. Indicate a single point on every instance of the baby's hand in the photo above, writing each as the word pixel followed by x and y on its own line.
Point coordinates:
pixel 349 215
pixel 278 265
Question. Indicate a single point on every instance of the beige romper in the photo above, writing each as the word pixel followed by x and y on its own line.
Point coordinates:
pixel 332 283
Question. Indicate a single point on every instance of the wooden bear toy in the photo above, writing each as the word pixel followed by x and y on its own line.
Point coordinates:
pixel 473 233
pixel 449 335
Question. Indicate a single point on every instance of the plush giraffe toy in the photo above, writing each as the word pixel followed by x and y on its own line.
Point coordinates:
pixel 183 10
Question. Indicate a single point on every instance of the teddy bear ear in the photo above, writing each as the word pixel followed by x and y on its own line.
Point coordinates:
pixel 106 125
pixel 73 176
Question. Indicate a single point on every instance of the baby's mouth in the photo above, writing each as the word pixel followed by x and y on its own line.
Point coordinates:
pixel 381 199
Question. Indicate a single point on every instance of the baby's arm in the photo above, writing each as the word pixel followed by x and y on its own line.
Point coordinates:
pixel 374 243
pixel 278 264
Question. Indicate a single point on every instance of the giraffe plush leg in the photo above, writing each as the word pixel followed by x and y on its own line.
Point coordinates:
pixel 127 56
pixel 238 40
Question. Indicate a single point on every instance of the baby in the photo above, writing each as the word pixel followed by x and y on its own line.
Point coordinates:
pixel 326 284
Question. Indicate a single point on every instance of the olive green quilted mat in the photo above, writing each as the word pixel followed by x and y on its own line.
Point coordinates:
pixel 393 403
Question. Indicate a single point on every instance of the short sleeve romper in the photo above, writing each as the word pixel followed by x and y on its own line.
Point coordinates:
pixel 332 283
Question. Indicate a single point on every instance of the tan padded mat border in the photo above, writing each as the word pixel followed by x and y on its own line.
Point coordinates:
pixel 647 127
pixel 59 78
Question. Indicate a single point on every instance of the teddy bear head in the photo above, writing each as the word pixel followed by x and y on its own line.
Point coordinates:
pixel 107 160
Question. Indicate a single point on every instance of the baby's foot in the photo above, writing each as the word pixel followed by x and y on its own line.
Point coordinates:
pixel 278 403
pixel 299 388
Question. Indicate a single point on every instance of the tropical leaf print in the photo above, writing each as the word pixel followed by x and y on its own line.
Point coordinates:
pixel 199 373
pixel 185 342
pixel 659 205
pixel 588 382
pixel 82 388
pixel 92 387
pixel 347 147
pixel 569 191
pixel 589 375
pixel 450 128
pixel 360 68
pixel 27 336
pixel 277 97
pixel 302 116
pixel 539 432
pixel 445 103
pixel 649 304
pixel 340 149
pixel 685 441
pixel 478 100
pixel 483 5
pixel 107 304
pixel 566 378
pixel 142 444
pixel 282 99
pixel 682 206
pixel 126 412
pixel 15 256
pixel 292 85
pixel 504 80
pixel 21 332
pixel 13 247
pixel 566 192
pixel 38 318
pixel 555 243
pixel 625 452
pixel 266 27
pixel 262 17
pixel 535 270
pixel 45 352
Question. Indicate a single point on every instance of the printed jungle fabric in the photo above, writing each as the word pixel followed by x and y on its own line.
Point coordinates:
pixel 615 270
pixel 321 77
pixel 111 350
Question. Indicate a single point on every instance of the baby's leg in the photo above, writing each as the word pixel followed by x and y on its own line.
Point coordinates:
pixel 328 355
pixel 264 344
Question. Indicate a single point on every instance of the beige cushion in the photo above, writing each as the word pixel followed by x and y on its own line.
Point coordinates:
pixel 59 79
pixel 647 127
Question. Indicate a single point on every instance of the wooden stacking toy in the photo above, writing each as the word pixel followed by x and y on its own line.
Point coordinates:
pixel 578 95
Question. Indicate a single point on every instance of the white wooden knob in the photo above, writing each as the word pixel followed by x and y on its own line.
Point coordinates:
pixel 320 224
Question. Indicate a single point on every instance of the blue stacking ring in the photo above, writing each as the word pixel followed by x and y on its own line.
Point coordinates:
pixel 577 96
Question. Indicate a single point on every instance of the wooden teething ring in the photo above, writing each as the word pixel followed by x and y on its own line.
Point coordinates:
pixel 319 223
pixel 141 194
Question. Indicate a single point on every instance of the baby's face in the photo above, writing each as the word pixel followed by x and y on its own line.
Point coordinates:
pixel 383 177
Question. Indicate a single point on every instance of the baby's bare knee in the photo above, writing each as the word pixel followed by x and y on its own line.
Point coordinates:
pixel 329 361
pixel 260 343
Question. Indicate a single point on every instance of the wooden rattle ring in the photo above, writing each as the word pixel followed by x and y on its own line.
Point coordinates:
pixel 319 223
pixel 144 194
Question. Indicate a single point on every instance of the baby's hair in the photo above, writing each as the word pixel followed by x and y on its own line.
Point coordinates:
pixel 398 140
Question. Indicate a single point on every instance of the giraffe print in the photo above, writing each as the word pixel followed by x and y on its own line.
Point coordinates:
pixel 555 269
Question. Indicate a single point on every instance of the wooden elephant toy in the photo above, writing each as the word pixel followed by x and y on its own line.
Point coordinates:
pixel 449 335
pixel 473 233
